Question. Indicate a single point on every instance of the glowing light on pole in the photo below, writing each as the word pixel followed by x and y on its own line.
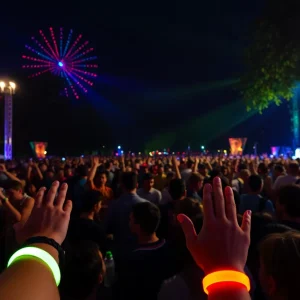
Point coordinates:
pixel 8 89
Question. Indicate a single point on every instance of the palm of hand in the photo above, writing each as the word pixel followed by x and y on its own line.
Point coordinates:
pixel 47 219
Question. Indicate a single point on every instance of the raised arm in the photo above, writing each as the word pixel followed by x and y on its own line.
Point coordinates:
pixel 92 173
pixel 8 174
pixel 220 231
pixel 47 220
pixel 195 169
pixel 175 167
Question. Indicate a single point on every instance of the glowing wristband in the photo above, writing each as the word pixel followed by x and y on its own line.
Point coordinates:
pixel 225 276
pixel 42 255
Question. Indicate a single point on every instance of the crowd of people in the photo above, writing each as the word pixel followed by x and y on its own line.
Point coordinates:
pixel 168 223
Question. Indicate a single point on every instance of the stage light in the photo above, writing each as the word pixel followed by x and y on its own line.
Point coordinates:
pixel 119 147
pixel 60 64
pixel 2 85
pixel 12 85
pixel 45 152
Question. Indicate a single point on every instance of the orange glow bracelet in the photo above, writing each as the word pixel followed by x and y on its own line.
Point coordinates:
pixel 225 276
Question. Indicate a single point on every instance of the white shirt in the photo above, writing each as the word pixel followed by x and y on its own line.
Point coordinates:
pixel 153 195
pixel 283 181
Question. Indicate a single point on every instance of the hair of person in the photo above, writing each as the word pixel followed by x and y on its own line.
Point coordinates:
pixel 90 199
pixel 101 172
pixel 147 215
pixel 189 163
pixel 289 196
pixel 245 172
pixel 147 176
pixel 177 188
pixel 262 168
pixel 279 168
pixel 82 170
pixel 83 266
pixel 280 255
pixel 189 207
pixel 255 183
pixel 195 178
pixel 14 185
pixel 129 180
pixel 107 165
pixel 242 167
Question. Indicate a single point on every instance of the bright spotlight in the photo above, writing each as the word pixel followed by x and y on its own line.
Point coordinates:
pixel 2 85
pixel 60 64
pixel 12 85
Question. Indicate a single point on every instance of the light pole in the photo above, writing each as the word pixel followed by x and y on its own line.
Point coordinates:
pixel 8 89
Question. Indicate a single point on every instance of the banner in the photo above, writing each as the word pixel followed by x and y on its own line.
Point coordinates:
pixel 39 149
pixel 237 145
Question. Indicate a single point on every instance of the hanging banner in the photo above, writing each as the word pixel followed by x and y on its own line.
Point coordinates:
pixel 237 145
pixel 39 149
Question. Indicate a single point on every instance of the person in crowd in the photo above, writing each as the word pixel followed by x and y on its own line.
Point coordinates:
pixel 291 177
pixel 204 171
pixel 86 227
pixel 84 271
pixel 139 277
pixel 61 175
pixel 16 203
pixel 97 180
pixel 148 192
pixel 117 220
pixel 110 175
pixel 186 172
pixel 280 263
pixel 165 195
pixel 263 172
pixel 253 200
pixel 278 171
pixel 177 189
pixel 240 183
pixel 288 206
pixel 160 180
pixel 77 188
pixel 16 207
pixel 9 175
pixel 194 186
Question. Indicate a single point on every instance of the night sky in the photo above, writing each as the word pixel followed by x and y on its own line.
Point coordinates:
pixel 161 65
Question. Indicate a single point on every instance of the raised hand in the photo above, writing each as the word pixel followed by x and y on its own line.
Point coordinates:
pixel 95 161
pixel 222 243
pixel 2 168
pixel 50 216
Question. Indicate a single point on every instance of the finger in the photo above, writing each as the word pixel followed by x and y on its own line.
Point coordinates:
pixel 61 197
pixel 39 197
pixel 230 206
pixel 218 198
pixel 246 224
pixel 68 206
pixel 188 229
pixel 52 193
pixel 208 208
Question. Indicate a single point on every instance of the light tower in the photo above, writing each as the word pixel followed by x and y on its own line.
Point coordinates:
pixel 8 89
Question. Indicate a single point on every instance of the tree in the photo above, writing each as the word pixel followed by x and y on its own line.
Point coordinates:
pixel 273 57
